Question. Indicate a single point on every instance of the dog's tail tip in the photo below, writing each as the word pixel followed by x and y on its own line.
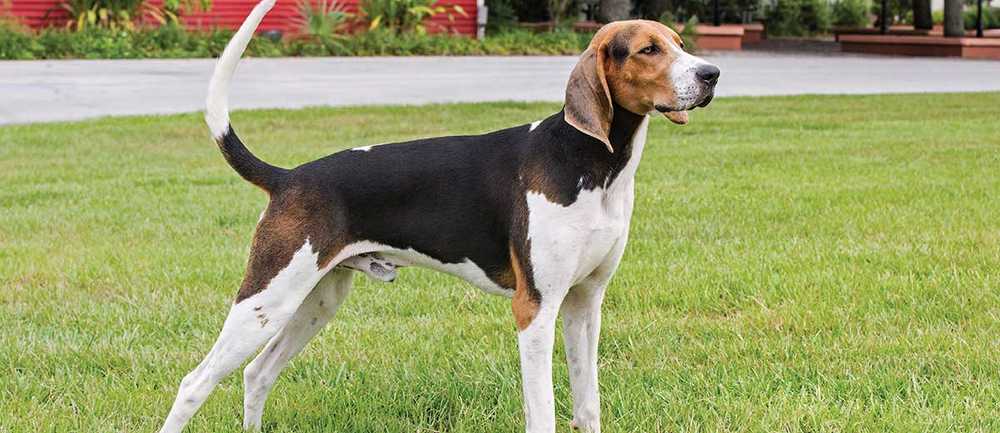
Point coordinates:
pixel 239 157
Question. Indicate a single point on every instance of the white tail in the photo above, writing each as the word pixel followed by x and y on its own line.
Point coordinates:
pixel 217 103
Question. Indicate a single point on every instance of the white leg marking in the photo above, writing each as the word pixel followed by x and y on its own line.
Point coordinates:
pixel 317 309
pixel 535 345
pixel 581 328
pixel 250 323
pixel 534 125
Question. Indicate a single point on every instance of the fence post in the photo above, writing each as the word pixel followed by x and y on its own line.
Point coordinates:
pixel 482 14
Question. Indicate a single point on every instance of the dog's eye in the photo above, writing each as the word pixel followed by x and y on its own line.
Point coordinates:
pixel 652 49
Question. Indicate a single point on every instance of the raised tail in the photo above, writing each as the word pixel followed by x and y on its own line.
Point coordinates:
pixel 251 168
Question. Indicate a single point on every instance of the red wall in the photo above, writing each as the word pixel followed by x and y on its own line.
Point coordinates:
pixel 230 13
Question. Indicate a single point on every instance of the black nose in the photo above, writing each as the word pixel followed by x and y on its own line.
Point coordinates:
pixel 708 73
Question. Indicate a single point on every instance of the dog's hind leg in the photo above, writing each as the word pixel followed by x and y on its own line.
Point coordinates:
pixel 318 308
pixel 252 320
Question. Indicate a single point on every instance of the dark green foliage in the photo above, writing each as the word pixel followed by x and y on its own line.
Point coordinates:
pixel 531 10
pixel 731 11
pixel 502 15
pixel 688 34
pixel 991 18
pixel 799 18
pixel 15 43
pixel 851 13
pixel 171 41
pixel 900 11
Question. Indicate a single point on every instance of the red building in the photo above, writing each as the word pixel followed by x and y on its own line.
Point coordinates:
pixel 230 13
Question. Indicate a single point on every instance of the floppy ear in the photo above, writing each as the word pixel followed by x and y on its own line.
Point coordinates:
pixel 588 100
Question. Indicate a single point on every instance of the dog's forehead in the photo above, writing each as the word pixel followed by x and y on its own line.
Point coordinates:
pixel 634 33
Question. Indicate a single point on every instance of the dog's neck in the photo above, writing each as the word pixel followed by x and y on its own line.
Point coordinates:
pixel 626 127
pixel 624 124
pixel 586 160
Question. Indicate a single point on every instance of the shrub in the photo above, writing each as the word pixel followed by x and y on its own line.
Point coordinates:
pixel 799 18
pixel 15 41
pixel 323 18
pixel 851 13
pixel 731 11
pixel 404 16
pixel 991 18
pixel 688 34
pixel 502 15
pixel 111 14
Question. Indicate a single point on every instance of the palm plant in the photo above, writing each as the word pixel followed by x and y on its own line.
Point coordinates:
pixel 113 14
pixel 402 16
pixel 323 18
pixel 122 14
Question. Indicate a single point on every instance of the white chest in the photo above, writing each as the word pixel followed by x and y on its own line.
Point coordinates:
pixel 576 239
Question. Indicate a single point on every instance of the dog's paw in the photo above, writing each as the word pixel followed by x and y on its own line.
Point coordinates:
pixel 585 426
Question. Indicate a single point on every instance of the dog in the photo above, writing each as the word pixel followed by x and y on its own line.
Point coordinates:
pixel 538 213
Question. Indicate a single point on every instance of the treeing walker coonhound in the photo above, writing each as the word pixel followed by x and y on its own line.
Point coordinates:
pixel 538 213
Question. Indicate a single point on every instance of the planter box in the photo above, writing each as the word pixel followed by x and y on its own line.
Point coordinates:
pixel 907 31
pixel 540 27
pixel 753 33
pixel 727 37
pixel 931 46
pixel 894 31
pixel 587 26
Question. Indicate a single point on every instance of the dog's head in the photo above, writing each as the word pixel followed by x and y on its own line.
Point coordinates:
pixel 641 66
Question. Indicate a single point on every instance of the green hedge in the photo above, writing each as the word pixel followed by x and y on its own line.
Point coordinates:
pixel 991 17
pixel 799 18
pixel 175 42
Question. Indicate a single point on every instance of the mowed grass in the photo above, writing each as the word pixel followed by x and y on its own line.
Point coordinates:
pixel 796 264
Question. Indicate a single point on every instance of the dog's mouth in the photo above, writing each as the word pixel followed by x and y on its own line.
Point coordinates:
pixel 680 116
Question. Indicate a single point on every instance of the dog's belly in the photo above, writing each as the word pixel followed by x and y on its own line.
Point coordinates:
pixel 466 269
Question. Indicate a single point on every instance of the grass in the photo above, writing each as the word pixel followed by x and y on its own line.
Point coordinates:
pixel 797 264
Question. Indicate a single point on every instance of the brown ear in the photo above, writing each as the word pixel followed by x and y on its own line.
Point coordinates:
pixel 588 100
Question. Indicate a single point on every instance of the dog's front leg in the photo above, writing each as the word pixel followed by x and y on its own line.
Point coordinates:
pixel 535 340
pixel 535 343
pixel 581 312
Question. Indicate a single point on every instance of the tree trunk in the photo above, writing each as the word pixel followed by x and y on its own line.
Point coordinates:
pixel 954 24
pixel 614 10
pixel 922 15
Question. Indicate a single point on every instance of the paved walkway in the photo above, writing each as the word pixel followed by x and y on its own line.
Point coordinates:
pixel 76 89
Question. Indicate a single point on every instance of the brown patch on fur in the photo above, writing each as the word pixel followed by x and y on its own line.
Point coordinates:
pixel 525 302
pixel 588 100
pixel 505 279
pixel 288 221
pixel 536 179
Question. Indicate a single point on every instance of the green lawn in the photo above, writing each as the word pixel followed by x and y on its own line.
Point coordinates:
pixel 797 264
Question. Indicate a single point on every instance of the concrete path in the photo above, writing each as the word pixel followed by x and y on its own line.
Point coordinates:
pixel 38 91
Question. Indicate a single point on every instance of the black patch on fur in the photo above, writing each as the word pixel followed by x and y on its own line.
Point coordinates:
pixel 618 47
pixel 251 168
